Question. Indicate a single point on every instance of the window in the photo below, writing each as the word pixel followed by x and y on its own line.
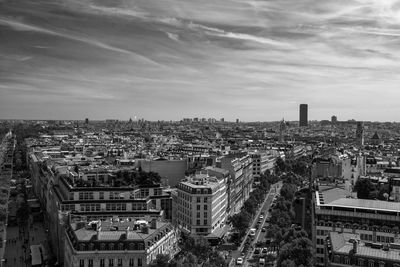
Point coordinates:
pixel 131 262
pixel 198 207
pixel 198 199
pixel 111 262
pixel 347 260
pixel 205 199
pixel 85 195
pixel 119 262
pixel 205 222
pixel 90 262
pixel 102 246
pixel 198 222
pixel 102 262
pixel 139 262
pixel 101 195
pixel 81 263
pixel 371 263
pixel 198 215
pixel 205 207
pixel 205 214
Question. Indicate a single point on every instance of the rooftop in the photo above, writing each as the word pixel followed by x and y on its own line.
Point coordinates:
pixel 343 243
pixel 114 230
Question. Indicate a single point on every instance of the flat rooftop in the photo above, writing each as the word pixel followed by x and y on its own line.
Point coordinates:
pixel 341 244
pixel 116 230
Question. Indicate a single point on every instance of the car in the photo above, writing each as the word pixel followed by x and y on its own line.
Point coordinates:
pixel 261 217
pixel 264 229
pixel 257 251
pixel 261 262
pixel 264 251
pixel 239 261
pixel 252 232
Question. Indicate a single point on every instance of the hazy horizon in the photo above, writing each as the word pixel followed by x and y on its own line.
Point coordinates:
pixel 167 60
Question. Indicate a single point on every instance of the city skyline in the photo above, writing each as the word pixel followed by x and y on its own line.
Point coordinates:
pixel 256 61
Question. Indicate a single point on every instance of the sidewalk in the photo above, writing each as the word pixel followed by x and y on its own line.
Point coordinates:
pixel 18 244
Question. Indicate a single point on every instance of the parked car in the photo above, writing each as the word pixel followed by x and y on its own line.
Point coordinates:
pixel 239 261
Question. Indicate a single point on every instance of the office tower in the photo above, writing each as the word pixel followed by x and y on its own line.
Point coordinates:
pixel 237 120
pixel 86 121
pixel 334 119
pixel 360 133
pixel 303 115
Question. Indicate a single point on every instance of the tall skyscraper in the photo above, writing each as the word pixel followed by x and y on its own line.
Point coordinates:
pixel 303 115
pixel 360 133
pixel 334 119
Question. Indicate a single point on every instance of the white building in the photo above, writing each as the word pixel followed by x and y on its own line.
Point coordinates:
pixel 201 205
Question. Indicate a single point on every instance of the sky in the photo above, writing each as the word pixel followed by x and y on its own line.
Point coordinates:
pixel 170 59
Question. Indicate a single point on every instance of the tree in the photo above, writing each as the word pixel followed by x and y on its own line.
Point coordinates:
pixel 250 206
pixel 214 260
pixel 280 165
pixel 241 222
pixel 288 191
pixel 189 260
pixel 300 251
pixel 161 260
pixel 363 187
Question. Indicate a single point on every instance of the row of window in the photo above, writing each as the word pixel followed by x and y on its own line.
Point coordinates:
pixel 360 262
pixel 111 262
pixel 205 199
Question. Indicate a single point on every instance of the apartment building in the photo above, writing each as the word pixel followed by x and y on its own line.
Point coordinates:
pixel 240 167
pixel 337 211
pixel 262 162
pixel 127 242
pixel 201 205
pixel 346 249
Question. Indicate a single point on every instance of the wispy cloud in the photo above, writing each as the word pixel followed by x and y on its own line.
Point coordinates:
pixel 255 60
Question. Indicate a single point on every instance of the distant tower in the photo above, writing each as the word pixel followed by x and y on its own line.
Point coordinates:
pixel 360 133
pixel 222 120
pixel 237 120
pixel 282 128
pixel 303 115
pixel 86 121
pixel 334 119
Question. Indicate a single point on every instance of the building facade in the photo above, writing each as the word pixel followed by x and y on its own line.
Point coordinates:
pixel 303 121
pixel 201 204
pixel 118 242
pixel 373 220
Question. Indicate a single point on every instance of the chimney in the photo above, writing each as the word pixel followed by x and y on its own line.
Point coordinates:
pixel 145 229
pixel 355 246
pixel 153 224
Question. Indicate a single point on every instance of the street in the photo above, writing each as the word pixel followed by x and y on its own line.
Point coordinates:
pixel 259 235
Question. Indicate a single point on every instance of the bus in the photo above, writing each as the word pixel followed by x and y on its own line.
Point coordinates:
pixel 38 256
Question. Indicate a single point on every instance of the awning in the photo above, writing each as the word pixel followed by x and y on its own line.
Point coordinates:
pixel 218 233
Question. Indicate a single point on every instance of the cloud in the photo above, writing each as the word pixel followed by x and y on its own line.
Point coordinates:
pixel 251 60
pixel 20 26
